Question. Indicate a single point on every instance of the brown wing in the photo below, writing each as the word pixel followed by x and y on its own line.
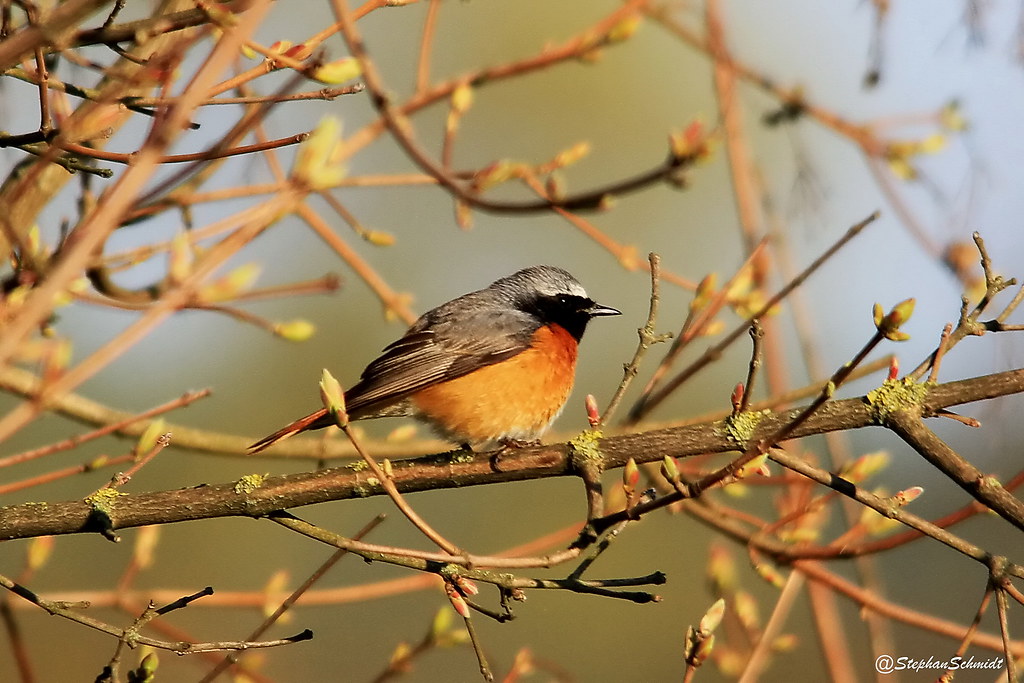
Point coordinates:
pixel 424 358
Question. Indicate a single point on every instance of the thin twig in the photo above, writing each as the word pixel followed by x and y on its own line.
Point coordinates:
pixel 121 478
pixel 648 338
pixel 972 630
pixel 385 481
pixel 1004 631
pixel 395 120
pixel 321 94
pixel 286 604
pixel 115 426
pixel 426 44
pixel 933 376
pixel 73 612
pixel 698 316
pixel 716 350
pixel 214 153
pixel 756 337
pixel 481 658
pixel 780 613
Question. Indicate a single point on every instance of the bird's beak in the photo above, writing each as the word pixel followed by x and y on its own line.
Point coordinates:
pixel 597 309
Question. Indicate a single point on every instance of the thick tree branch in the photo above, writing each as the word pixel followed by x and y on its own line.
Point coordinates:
pixel 980 486
pixel 457 469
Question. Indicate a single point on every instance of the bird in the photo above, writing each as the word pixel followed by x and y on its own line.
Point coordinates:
pixel 494 366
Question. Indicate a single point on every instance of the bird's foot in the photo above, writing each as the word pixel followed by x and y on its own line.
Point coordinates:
pixel 509 446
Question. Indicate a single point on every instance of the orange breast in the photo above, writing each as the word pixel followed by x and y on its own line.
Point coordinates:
pixel 515 399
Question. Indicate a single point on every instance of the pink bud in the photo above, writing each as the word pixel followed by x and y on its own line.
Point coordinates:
pixel 737 395
pixel 458 602
pixel 593 414
pixel 907 495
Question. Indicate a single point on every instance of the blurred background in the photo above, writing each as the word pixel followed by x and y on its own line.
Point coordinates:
pixel 623 102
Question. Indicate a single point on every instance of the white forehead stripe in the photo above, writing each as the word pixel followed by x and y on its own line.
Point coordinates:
pixel 563 287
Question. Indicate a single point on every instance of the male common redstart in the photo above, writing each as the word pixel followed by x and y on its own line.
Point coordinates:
pixel 495 365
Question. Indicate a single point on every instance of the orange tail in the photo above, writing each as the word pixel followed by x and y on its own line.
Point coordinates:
pixel 317 420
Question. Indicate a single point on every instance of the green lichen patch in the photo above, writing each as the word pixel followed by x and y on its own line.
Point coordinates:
pixel 585 449
pixel 740 427
pixel 249 483
pixel 104 499
pixel 361 491
pixel 895 395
